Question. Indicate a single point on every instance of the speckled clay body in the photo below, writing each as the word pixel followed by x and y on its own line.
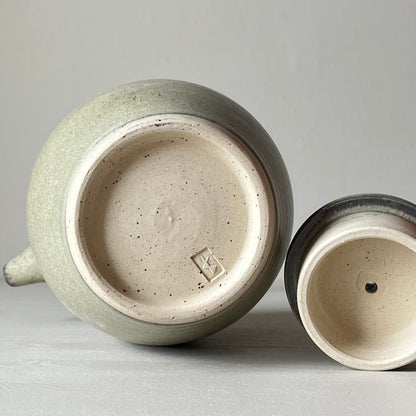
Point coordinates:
pixel 159 212
pixel 351 279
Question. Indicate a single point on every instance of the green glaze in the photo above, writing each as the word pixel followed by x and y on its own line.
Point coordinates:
pixel 59 159
pixel 23 270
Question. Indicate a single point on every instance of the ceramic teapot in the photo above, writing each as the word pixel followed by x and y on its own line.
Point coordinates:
pixel 159 212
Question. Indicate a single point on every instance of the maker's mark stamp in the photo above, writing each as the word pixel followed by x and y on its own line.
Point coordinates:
pixel 208 264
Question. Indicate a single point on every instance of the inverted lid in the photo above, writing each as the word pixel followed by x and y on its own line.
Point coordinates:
pixel 328 214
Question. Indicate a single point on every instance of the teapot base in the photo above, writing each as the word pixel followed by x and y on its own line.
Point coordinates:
pixel 170 219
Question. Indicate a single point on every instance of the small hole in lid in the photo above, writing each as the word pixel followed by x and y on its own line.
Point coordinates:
pixel 371 287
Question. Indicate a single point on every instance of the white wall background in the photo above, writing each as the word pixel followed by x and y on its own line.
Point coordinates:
pixel 333 82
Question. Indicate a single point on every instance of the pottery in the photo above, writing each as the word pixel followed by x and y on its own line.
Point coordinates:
pixel 159 212
pixel 351 279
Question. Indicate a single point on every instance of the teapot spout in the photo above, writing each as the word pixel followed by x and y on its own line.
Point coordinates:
pixel 23 270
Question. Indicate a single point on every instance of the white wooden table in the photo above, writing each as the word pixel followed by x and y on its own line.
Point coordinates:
pixel 52 363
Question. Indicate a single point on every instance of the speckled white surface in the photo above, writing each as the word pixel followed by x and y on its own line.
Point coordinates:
pixel 151 204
